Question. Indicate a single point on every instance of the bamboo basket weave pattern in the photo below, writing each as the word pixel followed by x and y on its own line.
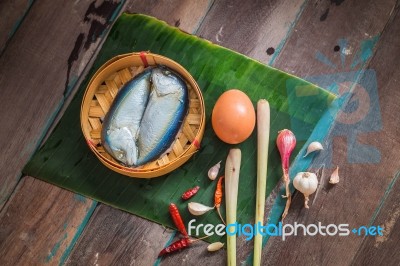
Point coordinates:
pixel 100 94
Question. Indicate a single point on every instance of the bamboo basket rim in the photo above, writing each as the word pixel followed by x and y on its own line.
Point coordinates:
pixel 156 170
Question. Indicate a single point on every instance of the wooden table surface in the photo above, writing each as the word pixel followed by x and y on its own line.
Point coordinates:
pixel 352 47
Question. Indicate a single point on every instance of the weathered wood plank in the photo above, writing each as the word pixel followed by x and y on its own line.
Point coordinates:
pixel 350 21
pixel 257 29
pixel 129 240
pixel 184 14
pixel 355 199
pixel 384 250
pixel 11 15
pixel 39 67
pixel 40 223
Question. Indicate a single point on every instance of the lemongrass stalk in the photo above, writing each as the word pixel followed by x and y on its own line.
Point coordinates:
pixel 232 170
pixel 263 126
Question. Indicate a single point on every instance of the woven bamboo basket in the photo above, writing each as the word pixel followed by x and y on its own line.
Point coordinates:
pixel 102 90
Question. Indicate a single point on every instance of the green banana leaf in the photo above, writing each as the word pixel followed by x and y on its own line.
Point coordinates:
pixel 66 161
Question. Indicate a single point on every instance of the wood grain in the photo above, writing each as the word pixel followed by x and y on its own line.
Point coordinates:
pixel 40 223
pixel 38 69
pixel 11 15
pixel 352 21
pixel 129 240
pixel 185 14
pixel 252 27
pixel 384 250
pixel 355 199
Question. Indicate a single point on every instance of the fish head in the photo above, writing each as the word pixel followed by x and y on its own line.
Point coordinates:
pixel 165 81
pixel 121 143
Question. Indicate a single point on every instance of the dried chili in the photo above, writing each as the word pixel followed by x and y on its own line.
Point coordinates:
pixel 177 245
pixel 190 193
pixel 176 217
pixel 218 197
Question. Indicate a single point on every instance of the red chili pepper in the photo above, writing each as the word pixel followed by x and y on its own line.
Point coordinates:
pixel 176 217
pixel 177 245
pixel 190 193
pixel 218 197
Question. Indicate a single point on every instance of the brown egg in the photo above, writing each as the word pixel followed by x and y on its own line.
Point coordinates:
pixel 233 117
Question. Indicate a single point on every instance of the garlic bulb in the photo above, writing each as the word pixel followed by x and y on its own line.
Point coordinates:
pixel 335 176
pixel 213 172
pixel 306 183
pixel 198 208
pixel 314 146
pixel 215 246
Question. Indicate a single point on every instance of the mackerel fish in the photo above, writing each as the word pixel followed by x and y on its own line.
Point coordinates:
pixel 163 117
pixel 145 116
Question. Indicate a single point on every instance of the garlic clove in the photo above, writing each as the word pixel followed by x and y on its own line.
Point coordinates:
pixel 335 176
pixel 314 146
pixel 215 246
pixel 213 172
pixel 198 208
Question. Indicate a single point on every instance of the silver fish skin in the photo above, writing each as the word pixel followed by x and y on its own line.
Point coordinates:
pixel 122 121
pixel 164 114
